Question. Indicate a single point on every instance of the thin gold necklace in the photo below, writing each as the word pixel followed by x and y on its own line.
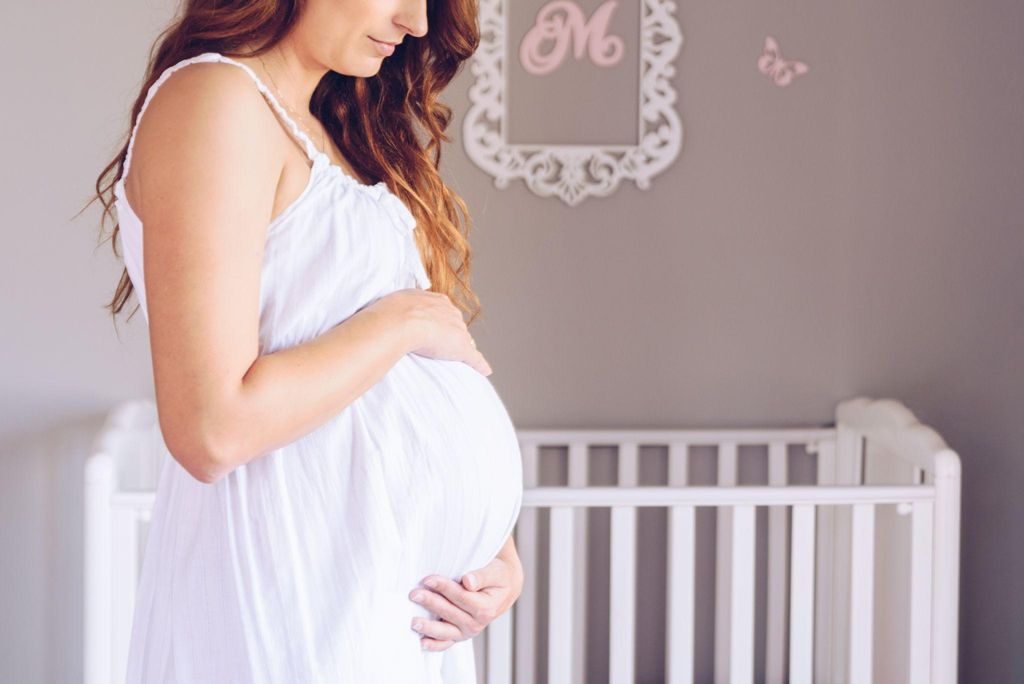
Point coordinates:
pixel 323 140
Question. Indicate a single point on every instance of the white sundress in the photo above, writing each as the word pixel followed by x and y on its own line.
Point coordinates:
pixel 297 566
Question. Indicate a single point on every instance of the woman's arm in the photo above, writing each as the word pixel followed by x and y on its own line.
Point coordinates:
pixel 289 393
pixel 205 193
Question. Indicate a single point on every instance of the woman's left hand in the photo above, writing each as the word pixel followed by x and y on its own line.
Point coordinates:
pixel 465 608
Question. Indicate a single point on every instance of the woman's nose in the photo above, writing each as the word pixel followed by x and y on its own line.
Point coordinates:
pixel 413 18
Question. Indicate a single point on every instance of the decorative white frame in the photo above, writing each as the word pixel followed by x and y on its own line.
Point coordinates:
pixel 660 127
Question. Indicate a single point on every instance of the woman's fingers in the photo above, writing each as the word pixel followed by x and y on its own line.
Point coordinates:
pixel 434 645
pixel 437 635
pixel 441 606
pixel 481 364
pixel 468 601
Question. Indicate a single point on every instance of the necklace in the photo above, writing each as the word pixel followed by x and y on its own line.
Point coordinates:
pixel 323 140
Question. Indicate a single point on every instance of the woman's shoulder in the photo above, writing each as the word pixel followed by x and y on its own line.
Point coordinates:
pixel 205 94
pixel 201 115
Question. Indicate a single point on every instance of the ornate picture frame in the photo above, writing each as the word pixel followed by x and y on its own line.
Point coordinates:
pixel 573 172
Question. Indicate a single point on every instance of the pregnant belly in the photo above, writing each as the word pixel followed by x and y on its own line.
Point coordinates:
pixel 450 462
pixel 315 547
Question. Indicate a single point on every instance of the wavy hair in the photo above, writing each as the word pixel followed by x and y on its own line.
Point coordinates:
pixel 373 121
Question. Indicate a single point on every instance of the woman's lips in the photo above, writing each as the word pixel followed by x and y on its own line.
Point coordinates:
pixel 383 48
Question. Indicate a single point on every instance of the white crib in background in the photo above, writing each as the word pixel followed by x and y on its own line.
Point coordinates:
pixel 820 621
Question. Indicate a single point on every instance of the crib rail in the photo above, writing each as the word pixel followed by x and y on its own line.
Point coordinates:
pixel 740 502
pixel 821 592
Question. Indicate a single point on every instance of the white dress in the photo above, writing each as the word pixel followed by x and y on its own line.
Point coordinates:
pixel 297 566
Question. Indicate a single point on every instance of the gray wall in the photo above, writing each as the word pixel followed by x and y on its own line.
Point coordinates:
pixel 859 232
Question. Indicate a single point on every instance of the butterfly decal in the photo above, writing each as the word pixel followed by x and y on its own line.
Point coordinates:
pixel 771 62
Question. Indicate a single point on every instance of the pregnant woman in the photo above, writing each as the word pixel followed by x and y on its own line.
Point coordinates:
pixel 337 444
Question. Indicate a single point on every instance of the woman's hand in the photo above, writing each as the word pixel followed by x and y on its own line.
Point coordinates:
pixel 434 326
pixel 465 608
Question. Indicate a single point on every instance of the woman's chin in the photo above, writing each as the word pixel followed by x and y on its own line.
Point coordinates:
pixel 365 69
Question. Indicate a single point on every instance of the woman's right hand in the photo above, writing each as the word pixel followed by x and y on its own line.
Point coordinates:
pixel 435 326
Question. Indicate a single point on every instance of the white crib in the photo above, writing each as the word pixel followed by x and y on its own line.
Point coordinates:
pixel 859 581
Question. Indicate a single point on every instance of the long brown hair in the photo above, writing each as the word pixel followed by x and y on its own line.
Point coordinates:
pixel 371 120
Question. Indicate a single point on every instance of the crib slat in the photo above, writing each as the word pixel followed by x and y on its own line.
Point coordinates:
pixel 801 597
pixel 826 614
pixel 678 464
pixel 778 531
pixel 124 574
pixel 98 544
pixel 622 615
pixel 723 564
pixel 741 614
pixel 679 630
pixel 629 464
pixel 861 593
pixel 499 650
pixel 921 592
pixel 560 595
pixel 525 608
pixel 578 476
pixel 623 600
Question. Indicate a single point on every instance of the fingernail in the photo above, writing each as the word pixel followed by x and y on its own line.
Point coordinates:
pixel 418 597
pixel 423 645
pixel 416 625
pixel 432 583
pixel 471 581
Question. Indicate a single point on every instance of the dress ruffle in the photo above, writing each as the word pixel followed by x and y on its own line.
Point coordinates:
pixel 401 219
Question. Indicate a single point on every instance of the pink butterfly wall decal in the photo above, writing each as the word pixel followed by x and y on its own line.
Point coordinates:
pixel 771 62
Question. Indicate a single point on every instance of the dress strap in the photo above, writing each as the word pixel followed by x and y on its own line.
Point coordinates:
pixel 307 144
